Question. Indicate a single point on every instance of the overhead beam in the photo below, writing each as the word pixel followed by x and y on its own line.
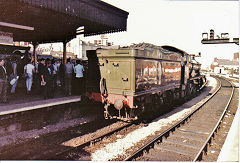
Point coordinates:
pixel 220 41
pixel 16 26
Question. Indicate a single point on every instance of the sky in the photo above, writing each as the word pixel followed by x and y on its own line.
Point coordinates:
pixel 179 24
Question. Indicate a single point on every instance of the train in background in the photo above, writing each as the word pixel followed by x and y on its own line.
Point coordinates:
pixel 131 80
pixel 10 50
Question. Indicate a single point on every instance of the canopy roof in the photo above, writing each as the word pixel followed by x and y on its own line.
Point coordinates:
pixel 45 21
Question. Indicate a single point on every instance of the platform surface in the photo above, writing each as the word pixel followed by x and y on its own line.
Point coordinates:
pixel 35 103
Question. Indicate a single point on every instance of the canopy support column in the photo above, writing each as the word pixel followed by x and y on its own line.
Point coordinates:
pixel 34 53
pixel 65 52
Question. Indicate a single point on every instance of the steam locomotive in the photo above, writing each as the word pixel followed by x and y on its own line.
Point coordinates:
pixel 128 80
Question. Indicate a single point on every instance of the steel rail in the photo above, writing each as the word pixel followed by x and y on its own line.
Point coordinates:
pixel 211 135
pixel 172 128
pixel 90 141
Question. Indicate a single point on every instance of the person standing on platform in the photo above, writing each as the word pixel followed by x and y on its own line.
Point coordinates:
pixel 14 75
pixel 78 70
pixel 54 67
pixel 3 82
pixel 41 67
pixel 47 80
pixel 29 69
pixel 61 75
pixel 68 77
pixel 8 66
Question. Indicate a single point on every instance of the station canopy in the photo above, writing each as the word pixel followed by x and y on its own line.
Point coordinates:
pixel 44 21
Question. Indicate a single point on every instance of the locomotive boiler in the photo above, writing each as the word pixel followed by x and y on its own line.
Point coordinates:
pixel 130 80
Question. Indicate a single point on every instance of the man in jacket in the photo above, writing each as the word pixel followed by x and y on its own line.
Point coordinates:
pixel 41 67
pixel 68 77
pixel 47 80
pixel 3 82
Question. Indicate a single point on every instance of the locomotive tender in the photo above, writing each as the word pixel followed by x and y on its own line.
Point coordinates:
pixel 133 78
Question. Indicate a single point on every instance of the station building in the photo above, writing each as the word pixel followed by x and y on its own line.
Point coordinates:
pixel 226 66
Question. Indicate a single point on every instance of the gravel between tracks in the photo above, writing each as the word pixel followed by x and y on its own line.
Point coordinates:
pixel 122 146
pixel 36 133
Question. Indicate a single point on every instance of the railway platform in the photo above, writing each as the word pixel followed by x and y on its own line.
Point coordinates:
pixel 230 149
pixel 22 102
pixel 27 117
pixel 20 107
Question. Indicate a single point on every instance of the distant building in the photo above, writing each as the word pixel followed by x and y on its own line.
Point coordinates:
pixel 225 66
pixel 21 43
pixel 75 48
pixel 84 46
pixel 236 56
pixel 103 41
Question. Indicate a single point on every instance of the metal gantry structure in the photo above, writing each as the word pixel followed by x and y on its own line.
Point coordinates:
pixel 223 39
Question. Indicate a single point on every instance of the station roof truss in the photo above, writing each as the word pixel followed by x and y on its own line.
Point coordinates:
pixel 44 21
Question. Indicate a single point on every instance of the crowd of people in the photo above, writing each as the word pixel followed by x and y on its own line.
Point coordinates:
pixel 46 77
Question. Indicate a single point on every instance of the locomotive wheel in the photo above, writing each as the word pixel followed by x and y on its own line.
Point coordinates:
pixel 132 113
pixel 168 99
pixel 155 107
pixel 150 113
pixel 178 99
pixel 188 92
pixel 139 112
pixel 157 100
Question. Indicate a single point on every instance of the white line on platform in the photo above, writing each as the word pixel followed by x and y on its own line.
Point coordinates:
pixel 76 99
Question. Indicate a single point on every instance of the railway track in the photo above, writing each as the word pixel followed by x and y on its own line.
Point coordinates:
pixel 79 153
pixel 40 146
pixel 189 139
pixel 80 142
pixel 76 144
pixel 56 149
